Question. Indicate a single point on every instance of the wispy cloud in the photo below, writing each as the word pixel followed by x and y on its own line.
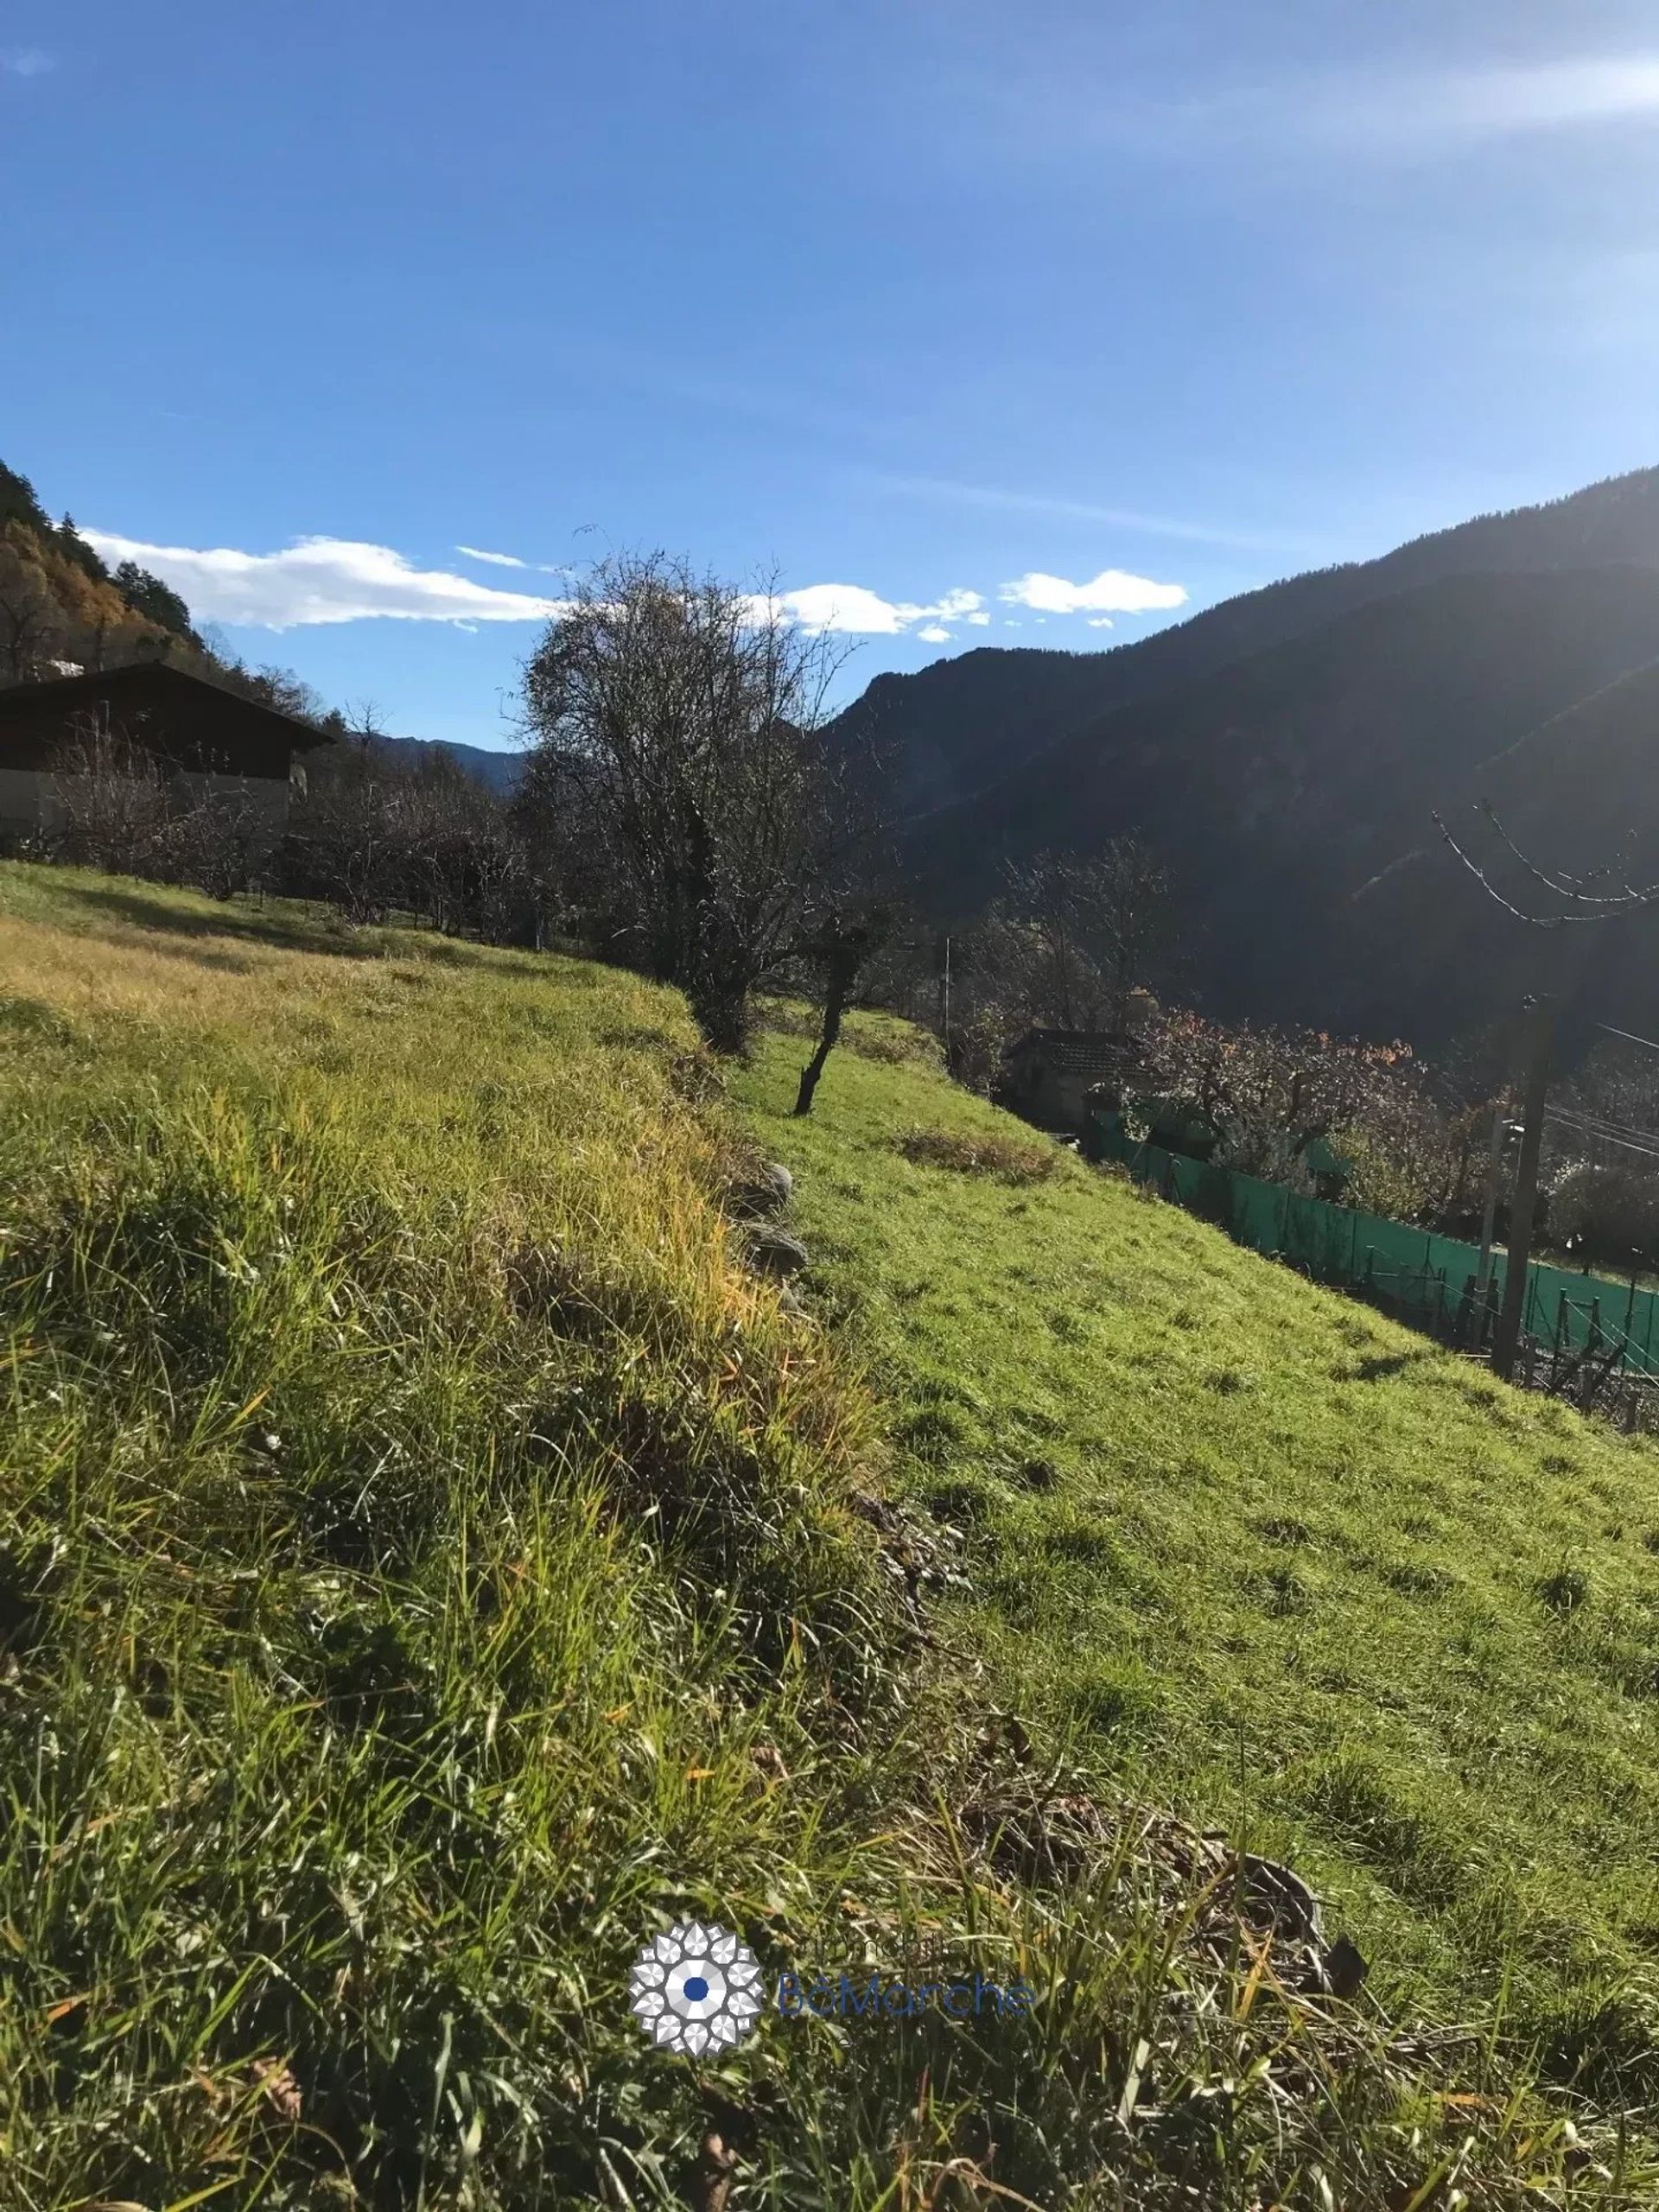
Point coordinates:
pixel 26 61
pixel 999 501
pixel 1389 111
pixel 1114 591
pixel 1477 104
pixel 320 580
pixel 495 559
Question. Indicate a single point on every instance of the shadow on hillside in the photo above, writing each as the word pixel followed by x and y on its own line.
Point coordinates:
pixel 290 927
pixel 462 952
pixel 282 928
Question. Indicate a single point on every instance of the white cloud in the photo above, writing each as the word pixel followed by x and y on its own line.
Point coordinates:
pixel 319 580
pixel 26 61
pixel 933 635
pixel 495 559
pixel 852 610
pixel 1113 591
pixel 1102 622
pixel 979 620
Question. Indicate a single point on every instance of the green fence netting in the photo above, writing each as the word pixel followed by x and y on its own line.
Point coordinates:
pixel 1423 1276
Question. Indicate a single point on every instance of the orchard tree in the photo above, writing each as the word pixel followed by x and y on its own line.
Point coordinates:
pixel 677 760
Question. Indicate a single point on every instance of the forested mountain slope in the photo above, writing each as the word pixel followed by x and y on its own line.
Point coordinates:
pixel 1281 786
pixel 964 722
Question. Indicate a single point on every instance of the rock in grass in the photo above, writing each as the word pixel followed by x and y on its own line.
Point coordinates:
pixel 1344 1968
pixel 772 1251
pixel 767 1193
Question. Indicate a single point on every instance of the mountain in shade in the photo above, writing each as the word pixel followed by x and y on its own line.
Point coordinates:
pixel 500 771
pixel 960 724
pixel 1288 751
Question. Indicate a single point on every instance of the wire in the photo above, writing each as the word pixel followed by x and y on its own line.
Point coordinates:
pixel 1629 1036
pixel 1606 1124
pixel 1603 1136
pixel 1603 1124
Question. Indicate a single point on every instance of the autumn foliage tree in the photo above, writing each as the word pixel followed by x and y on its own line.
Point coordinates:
pixel 1414 1150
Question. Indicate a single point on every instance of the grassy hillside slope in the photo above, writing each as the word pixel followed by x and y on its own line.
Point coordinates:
pixel 428 1565
pixel 1255 1551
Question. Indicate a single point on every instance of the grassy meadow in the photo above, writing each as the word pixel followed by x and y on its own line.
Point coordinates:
pixel 1247 1548
pixel 430 1564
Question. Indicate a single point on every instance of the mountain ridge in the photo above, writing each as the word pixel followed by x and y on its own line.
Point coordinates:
pixel 1616 517
pixel 1287 753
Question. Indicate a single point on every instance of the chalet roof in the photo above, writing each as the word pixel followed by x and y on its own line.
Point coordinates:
pixel 1097 1055
pixel 154 685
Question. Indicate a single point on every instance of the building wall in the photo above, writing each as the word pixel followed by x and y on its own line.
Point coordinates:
pixel 1051 1097
pixel 21 797
pixel 30 805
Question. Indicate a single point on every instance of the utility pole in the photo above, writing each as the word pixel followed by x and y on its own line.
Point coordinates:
pixel 1489 1213
pixel 1541 1033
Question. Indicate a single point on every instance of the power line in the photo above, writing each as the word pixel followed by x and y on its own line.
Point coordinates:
pixel 1605 1136
pixel 1603 1124
pixel 1629 1036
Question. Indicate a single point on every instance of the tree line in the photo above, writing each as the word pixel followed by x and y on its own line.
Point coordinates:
pixel 688 808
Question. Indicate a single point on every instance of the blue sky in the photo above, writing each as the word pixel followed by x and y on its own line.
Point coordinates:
pixel 1004 321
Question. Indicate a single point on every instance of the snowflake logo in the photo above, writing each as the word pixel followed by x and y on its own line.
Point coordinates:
pixel 695 1989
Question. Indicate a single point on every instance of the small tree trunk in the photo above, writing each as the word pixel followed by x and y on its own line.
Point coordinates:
pixel 722 1014
pixel 842 967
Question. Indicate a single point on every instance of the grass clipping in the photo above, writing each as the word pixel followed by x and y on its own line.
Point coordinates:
pixel 981 1152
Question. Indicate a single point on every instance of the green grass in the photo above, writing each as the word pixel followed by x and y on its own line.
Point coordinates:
pixel 1246 1548
pixel 429 1564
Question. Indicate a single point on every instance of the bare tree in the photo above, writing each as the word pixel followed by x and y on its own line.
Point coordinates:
pixel 1067 945
pixel 377 832
pixel 676 724
pixel 115 798
pixel 128 811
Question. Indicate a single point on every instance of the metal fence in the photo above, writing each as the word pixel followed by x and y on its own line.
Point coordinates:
pixel 1580 1321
